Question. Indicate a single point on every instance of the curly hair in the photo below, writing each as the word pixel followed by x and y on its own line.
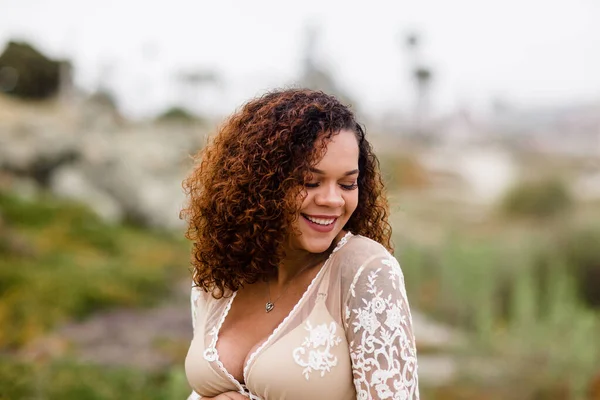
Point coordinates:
pixel 242 191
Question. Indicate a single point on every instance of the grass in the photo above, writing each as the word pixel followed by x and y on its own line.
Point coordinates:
pixel 59 261
pixel 519 302
pixel 69 380
pixel 520 278
pixel 512 286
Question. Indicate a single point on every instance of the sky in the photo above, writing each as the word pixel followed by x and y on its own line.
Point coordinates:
pixel 523 52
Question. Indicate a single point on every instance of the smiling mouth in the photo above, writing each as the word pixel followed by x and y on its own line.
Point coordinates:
pixel 320 221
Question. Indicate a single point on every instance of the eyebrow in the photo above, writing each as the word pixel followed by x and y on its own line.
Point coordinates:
pixel 318 171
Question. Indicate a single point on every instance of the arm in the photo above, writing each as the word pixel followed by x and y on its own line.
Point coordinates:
pixel 195 396
pixel 227 396
pixel 193 299
pixel 379 328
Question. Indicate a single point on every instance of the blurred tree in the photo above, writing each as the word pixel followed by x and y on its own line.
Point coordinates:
pixel 314 75
pixel 9 77
pixel 543 199
pixel 422 77
pixel 191 83
pixel 178 115
pixel 27 73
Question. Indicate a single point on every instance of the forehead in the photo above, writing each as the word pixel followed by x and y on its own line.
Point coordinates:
pixel 341 148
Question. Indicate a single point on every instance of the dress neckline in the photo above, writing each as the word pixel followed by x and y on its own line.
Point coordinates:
pixel 252 357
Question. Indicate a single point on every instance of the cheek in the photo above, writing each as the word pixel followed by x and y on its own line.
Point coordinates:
pixel 352 201
pixel 303 200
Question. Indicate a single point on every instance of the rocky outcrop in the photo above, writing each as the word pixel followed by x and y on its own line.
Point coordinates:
pixel 122 172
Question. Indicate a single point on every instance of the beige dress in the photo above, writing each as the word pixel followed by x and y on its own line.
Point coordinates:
pixel 350 336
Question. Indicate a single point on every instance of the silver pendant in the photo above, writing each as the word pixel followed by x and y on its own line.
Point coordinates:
pixel 269 306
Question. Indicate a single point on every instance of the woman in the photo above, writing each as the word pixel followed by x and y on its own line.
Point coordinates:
pixel 296 294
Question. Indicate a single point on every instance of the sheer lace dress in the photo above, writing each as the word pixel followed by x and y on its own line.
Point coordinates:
pixel 350 336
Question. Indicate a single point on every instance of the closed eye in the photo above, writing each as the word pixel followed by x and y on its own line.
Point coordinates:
pixel 352 186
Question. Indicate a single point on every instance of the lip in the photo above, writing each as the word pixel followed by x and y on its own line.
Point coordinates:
pixel 317 227
pixel 321 216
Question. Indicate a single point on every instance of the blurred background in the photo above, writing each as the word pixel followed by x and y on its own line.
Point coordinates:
pixel 485 116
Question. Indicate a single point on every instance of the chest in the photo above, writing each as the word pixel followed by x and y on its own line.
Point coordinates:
pixel 297 351
pixel 247 326
pixel 307 358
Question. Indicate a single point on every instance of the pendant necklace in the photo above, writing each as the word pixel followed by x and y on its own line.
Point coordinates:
pixel 270 305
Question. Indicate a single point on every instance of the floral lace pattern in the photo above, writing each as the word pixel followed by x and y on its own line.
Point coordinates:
pixel 370 327
pixel 318 343
pixel 379 324
pixel 342 241
pixel 193 300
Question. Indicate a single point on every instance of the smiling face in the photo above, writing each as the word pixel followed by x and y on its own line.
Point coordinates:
pixel 330 197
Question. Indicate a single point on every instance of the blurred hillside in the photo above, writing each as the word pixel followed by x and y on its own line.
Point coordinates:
pixel 496 224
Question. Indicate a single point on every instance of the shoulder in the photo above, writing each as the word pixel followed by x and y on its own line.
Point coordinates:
pixel 197 297
pixel 364 256
pixel 359 251
pixel 200 297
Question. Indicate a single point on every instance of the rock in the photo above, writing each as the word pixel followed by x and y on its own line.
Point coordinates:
pixel 477 175
pixel 128 337
pixel 432 335
pixel 34 148
pixel 587 187
pixel 70 182
pixel 435 345
pixel 122 172
pixel 142 170
pixel 437 370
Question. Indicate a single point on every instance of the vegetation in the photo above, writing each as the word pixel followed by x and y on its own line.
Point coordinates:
pixel 27 73
pixel 520 285
pixel 524 293
pixel 528 308
pixel 539 199
pixel 178 114
pixel 403 172
pixel 59 261
pixel 70 380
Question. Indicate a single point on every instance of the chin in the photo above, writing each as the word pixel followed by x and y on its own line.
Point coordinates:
pixel 318 245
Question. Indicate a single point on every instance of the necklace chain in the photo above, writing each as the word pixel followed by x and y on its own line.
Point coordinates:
pixel 270 305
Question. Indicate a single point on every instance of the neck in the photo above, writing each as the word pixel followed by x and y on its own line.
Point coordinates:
pixel 294 263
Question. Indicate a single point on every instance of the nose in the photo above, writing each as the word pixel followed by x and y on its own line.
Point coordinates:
pixel 330 196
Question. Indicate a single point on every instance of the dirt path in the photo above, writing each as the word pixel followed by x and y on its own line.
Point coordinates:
pixel 144 338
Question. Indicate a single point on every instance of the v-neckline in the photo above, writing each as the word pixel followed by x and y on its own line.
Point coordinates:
pixel 256 349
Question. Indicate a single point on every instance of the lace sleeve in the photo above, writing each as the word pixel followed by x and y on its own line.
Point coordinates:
pixel 193 305
pixel 193 300
pixel 378 325
pixel 194 396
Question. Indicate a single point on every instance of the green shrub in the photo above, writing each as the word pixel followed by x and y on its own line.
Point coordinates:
pixel 178 114
pixel 579 249
pixel 69 380
pixel 540 199
pixel 76 264
pixel 510 307
pixel 17 211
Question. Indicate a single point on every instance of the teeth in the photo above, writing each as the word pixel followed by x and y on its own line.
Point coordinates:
pixel 321 221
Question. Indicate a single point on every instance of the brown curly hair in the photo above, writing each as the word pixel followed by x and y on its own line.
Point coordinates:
pixel 243 190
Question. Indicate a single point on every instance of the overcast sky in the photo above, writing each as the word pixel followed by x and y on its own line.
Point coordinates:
pixel 528 52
